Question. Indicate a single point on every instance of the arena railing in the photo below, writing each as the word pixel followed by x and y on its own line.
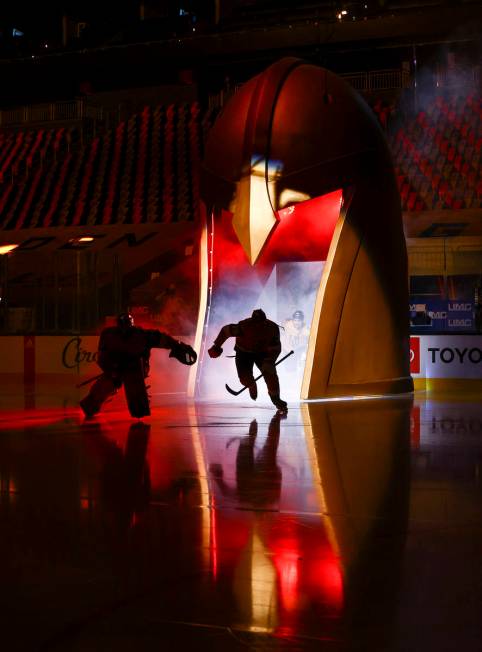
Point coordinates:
pixel 373 80
pixel 378 80
pixel 78 109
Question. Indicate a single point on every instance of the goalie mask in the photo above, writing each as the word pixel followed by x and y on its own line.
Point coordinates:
pixel 125 320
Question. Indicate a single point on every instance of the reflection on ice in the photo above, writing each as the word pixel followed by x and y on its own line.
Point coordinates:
pixel 288 525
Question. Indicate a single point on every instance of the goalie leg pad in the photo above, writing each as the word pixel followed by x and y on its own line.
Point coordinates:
pixel 136 394
pixel 101 390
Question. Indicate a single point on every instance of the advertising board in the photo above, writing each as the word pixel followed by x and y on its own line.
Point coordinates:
pixel 435 315
pixel 446 356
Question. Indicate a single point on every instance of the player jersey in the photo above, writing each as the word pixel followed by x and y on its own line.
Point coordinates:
pixel 252 336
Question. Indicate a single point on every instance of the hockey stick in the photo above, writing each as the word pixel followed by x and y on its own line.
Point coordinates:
pixel 234 393
pixel 89 380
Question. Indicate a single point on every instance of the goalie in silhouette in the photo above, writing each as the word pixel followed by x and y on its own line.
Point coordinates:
pixel 124 352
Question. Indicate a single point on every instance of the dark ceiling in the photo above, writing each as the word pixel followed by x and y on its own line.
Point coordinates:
pixel 236 39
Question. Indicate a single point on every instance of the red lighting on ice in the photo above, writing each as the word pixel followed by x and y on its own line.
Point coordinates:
pixel 415 427
pixel 326 576
pixel 21 420
pixel 214 538
pixel 308 572
pixel 299 574
pixel 286 562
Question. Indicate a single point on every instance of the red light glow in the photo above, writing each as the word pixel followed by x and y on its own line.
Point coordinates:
pixel 325 573
pixel 303 233
pixel 286 562
pixel 305 230
pixel 214 537
pixel 21 420
pixel 307 567
pixel 5 249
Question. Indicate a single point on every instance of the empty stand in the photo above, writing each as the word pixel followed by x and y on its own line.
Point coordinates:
pixel 437 155
pixel 147 168
pixel 144 170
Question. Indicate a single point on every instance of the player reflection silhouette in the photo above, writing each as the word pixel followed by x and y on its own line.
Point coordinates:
pixel 124 477
pixel 258 476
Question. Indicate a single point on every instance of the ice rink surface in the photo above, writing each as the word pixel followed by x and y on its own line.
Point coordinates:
pixel 344 525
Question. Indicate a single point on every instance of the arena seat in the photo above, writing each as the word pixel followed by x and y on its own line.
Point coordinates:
pixel 143 170
pixel 442 142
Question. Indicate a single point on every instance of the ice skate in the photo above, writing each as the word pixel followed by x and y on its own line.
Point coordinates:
pixel 87 408
pixel 278 402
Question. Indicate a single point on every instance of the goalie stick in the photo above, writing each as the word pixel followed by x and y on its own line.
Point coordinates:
pixel 89 380
pixel 235 393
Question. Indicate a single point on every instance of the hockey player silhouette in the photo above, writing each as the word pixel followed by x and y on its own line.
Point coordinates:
pixel 257 343
pixel 124 352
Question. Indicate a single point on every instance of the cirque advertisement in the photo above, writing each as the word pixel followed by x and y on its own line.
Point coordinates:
pixel 71 358
pixel 446 356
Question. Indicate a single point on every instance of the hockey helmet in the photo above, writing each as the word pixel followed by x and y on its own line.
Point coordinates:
pixel 258 314
pixel 125 320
